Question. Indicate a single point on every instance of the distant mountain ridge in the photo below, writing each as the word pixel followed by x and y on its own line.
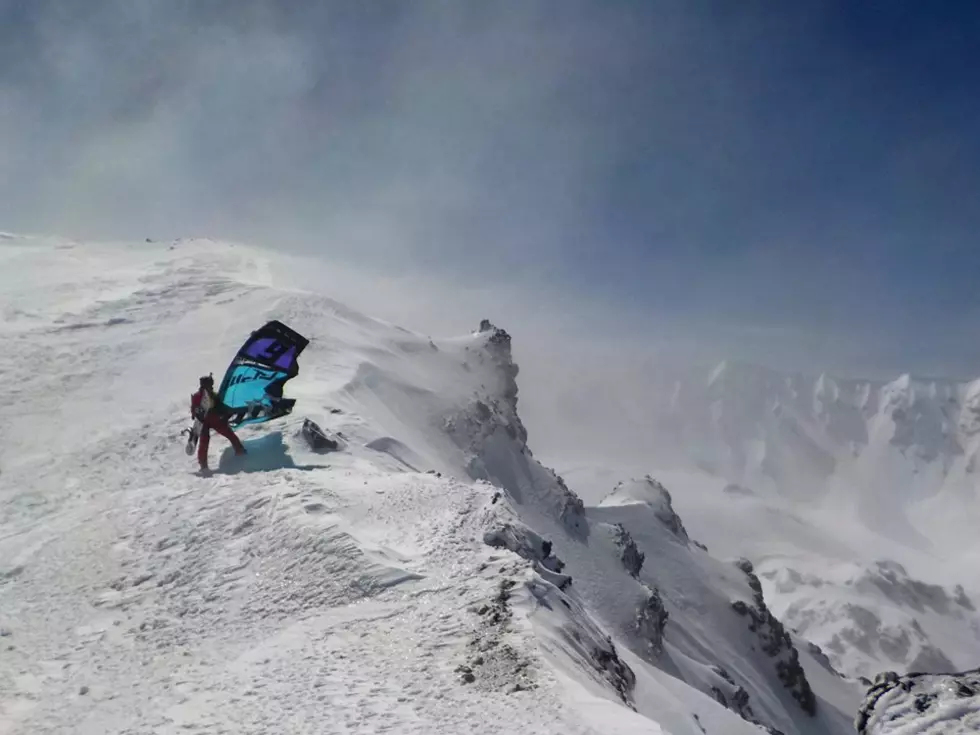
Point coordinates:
pixel 769 424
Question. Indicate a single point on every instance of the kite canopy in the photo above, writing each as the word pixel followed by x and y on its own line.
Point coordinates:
pixel 252 387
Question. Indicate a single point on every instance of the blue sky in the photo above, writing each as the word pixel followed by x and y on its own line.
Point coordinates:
pixel 798 180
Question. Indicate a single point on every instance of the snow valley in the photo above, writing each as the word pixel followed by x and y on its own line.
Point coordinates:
pixel 426 573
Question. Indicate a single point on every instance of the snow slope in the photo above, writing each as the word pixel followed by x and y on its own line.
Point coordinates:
pixel 429 576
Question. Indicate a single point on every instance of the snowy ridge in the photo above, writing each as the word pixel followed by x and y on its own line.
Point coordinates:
pixel 430 576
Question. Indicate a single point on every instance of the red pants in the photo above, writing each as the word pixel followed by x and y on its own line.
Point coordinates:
pixel 221 426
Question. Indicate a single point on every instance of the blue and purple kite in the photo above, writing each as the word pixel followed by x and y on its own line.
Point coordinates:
pixel 252 386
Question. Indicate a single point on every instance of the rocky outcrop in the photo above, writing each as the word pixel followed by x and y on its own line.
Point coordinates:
pixel 731 695
pixel 737 699
pixel 317 438
pixel 649 492
pixel 629 553
pixel 921 703
pixel 529 545
pixel 571 508
pixel 524 542
pixel 619 675
pixel 583 640
pixel 651 620
pixel 498 344
pixel 491 433
pixel 816 652
pixel 775 641
pixel 666 513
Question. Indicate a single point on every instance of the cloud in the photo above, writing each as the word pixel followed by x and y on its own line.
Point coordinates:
pixel 379 133
pixel 703 180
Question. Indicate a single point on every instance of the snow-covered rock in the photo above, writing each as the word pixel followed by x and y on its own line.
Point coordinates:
pixel 651 494
pixel 917 704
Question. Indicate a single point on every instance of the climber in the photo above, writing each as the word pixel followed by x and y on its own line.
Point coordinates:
pixel 206 408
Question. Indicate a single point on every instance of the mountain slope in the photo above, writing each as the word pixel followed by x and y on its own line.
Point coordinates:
pixel 429 576
pixel 855 500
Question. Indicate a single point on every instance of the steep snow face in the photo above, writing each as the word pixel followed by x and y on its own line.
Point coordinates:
pixel 428 576
pixel 921 703
pixel 720 635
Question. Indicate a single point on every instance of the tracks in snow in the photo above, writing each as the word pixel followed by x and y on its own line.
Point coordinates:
pixel 337 600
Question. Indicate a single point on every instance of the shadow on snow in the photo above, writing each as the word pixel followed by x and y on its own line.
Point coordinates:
pixel 266 453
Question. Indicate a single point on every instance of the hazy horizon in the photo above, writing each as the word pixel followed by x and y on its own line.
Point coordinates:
pixel 787 184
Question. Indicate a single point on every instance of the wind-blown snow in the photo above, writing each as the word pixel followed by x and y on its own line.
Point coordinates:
pixel 429 576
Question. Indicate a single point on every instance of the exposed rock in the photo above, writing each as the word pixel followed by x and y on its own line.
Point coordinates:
pixel 822 658
pixel 737 699
pixel 746 566
pixel 572 509
pixel 940 703
pixel 651 620
pixel 616 671
pixel 499 346
pixel 516 537
pixel 525 543
pixel 630 554
pixel 775 641
pixel 317 438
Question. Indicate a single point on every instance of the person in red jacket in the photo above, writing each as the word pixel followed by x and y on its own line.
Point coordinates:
pixel 206 408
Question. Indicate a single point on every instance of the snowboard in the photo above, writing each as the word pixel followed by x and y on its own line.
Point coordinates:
pixel 193 434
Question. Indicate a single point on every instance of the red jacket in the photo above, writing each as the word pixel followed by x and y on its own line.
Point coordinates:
pixel 201 408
